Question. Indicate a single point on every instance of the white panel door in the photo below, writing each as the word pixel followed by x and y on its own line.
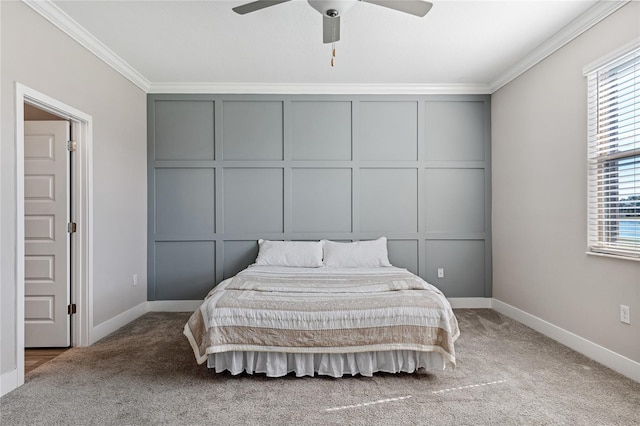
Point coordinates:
pixel 47 242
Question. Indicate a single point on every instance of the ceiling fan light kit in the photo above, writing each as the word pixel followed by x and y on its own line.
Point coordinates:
pixel 338 6
pixel 332 10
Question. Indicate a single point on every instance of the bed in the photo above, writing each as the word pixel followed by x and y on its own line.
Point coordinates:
pixel 328 309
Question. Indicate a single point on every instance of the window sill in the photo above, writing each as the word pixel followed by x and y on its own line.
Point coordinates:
pixel 613 256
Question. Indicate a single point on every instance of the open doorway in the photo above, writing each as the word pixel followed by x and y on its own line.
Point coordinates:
pixel 79 262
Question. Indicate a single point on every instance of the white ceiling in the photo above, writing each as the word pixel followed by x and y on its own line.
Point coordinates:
pixel 465 43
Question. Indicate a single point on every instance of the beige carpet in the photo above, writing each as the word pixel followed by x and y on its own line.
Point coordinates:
pixel 145 373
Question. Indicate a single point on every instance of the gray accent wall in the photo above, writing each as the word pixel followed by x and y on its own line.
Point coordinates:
pixel 226 170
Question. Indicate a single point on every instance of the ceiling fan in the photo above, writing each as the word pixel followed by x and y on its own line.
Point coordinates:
pixel 332 10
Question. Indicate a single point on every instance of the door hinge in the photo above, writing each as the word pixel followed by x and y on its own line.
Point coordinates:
pixel 72 145
pixel 72 309
pixel 71 227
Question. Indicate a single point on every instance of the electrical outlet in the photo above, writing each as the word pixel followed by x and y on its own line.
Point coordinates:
pixel 135 279
pixel 440 272
pixel 624 314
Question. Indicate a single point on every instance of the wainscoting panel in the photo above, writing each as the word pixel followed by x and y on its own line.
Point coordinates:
pixel 389 131
pixel 238 255
pixel 389 200
pixel 455 131
pixel 463 264
pixel 455 200
pixel 321 200
pixel 185 202
pixel 404 254
pixel 226 170
pixel 174 120
pixel 185 270
pixel 321 130
pixel 252 130
pixel 253 200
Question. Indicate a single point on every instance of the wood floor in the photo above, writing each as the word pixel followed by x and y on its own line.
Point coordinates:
pixel 34 358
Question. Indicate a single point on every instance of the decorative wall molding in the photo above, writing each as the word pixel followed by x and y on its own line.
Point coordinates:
pixel 258 159
pixel 313 89
pixel 604 356
pixel 582 23
pixel 60 19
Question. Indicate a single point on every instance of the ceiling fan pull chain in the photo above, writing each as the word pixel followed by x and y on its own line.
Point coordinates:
pixel 333 53
pixel 333 43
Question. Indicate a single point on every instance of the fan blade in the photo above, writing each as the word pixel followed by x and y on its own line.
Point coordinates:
pixel 256 5
pixel 330 29
pixel 414 7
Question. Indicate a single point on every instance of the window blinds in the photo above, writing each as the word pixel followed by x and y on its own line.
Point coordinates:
pixel 614 157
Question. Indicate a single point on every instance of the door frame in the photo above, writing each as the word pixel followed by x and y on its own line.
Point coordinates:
pixel 81 258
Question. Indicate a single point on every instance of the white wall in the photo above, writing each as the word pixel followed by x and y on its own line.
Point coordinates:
pixel 38 55
pixel 539 157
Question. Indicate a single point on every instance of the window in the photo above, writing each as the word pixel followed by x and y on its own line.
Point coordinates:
pixel 614 156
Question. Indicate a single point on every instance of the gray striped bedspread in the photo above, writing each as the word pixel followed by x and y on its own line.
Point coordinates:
pixel 322 310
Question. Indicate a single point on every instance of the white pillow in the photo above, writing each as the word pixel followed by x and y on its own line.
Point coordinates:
pixel 361 254
pixel 303 254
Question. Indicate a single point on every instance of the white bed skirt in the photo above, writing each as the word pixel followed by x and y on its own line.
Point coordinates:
pixel 277 364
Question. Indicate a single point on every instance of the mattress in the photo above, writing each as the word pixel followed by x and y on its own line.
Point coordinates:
pixel 276 320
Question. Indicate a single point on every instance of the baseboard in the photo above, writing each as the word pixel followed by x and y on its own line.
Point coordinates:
pixel 173 305
pixel 120 320
pixel 8 382
pixel 470 302
pixel 604 356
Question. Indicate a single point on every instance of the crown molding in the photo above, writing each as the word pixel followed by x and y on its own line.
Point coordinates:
pixel 64 22
pixel 312 89
pixel 582 23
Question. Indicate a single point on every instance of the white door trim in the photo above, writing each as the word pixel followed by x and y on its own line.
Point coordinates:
pixel 81 211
